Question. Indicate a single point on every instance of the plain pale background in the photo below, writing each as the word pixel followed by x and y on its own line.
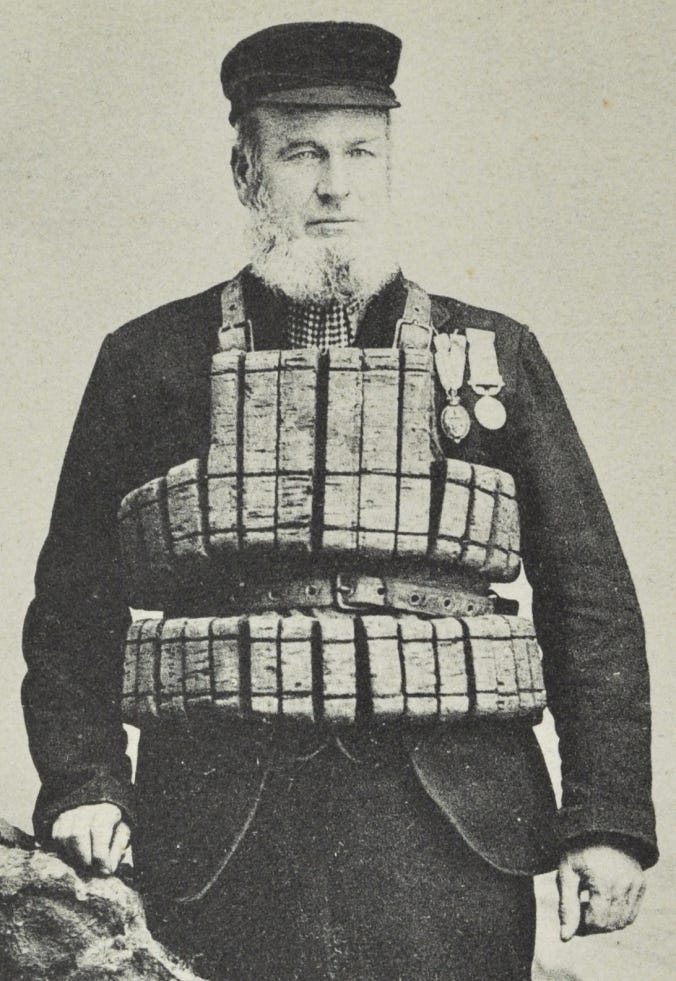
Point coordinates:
pixel 533 176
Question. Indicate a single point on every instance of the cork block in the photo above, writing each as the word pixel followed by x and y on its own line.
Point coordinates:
pixel 453 687
pixel 172 700
pixel 225 655
pixel 264 655
pixel 420 669
pixel 197 662
pixel 260 431
pixel 343 448
pixel 339 675
pixel 296 667
pixel 147 667
pixel 186 509
pixel 387 687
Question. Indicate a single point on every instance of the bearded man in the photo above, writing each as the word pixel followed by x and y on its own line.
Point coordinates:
pixel 319 795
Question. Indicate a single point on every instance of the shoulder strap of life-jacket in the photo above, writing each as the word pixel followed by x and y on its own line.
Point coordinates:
pixel 235 332
pixel 414 328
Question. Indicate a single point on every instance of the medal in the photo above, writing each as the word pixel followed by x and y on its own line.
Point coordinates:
pixel 455 421
pixel 485 378
pixel 449 360
pixel 490 413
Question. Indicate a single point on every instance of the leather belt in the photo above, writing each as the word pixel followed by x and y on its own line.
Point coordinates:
pixel 357 591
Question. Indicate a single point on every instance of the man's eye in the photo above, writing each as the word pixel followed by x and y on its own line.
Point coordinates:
pixel 360 151
pixel 303 155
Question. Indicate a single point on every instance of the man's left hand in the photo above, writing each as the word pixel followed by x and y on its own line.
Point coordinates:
pixel 600 889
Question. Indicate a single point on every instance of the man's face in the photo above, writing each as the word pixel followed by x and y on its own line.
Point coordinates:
pixel 318 191
pixel 325 173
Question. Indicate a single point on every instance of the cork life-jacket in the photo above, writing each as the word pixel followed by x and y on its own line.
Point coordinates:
pixel 351 560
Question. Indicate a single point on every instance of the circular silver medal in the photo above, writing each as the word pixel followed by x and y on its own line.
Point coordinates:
pixel 455 422
pixel 490 412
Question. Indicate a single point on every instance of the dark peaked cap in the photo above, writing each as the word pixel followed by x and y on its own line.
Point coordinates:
pixel 312 64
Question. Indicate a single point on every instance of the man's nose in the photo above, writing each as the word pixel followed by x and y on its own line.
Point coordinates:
pixel 333 183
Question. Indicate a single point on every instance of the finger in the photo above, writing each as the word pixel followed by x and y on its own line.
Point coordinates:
pixel 625 904
pixel 618 911
pixel 633 903
pixel 101 835
pixel 119 845
pixel 569 905
pixel 628 903
pixel 595 913
pixel 61 830
pixel 58 825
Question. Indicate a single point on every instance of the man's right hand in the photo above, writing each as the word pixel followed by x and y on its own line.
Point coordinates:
pixel 93 835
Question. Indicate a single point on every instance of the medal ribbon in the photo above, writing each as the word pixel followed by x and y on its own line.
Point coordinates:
pixel 484 373
pixel 449 360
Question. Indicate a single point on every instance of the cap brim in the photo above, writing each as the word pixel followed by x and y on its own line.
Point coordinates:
pixel 331 95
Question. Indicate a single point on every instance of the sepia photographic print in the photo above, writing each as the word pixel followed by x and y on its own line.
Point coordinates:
pixel 338 516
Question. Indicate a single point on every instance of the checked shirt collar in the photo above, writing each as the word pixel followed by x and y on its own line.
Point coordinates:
pixel 312 325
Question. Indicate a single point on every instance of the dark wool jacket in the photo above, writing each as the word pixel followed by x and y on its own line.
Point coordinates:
pixel 146 409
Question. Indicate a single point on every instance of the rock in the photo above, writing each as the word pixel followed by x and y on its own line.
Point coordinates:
pixel 56 924
pixel 15 837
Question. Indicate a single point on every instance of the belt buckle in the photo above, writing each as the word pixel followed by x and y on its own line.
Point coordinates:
pixel 371 588
pixel 236 336
pixel 416 331
pixel 343 591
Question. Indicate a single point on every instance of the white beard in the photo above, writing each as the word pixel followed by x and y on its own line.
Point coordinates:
pixel 318 270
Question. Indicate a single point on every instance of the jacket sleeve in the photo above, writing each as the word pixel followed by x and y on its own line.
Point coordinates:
pixel 74 629
pixel 587 619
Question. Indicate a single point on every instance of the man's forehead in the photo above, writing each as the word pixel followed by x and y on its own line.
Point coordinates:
pixel 278 125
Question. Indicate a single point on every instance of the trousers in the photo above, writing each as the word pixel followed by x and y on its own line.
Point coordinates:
pixel 346 869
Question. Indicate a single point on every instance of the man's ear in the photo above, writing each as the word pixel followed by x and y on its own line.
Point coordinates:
pixel 241 175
